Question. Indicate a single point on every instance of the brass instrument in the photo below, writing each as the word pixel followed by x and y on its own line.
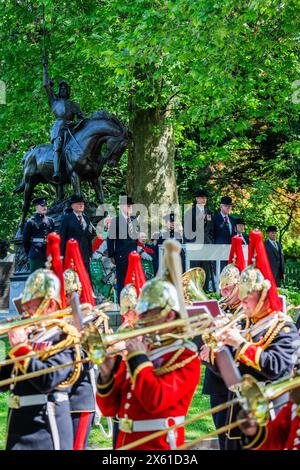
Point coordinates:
pixel 97 343
pixel 97 310
pixel 251 396
pixel 259 396
pixel 212 337
pixel 5 327
pixel 193 281
pixel 90 312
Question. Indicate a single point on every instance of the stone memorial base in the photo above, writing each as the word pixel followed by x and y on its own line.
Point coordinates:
pixel 17 283
pixel 6 270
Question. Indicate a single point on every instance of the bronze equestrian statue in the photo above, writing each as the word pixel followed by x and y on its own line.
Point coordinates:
pixel 83 157
pixel 75 153
pixel 65 112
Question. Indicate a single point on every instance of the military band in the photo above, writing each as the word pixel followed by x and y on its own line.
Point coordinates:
pixel 148 384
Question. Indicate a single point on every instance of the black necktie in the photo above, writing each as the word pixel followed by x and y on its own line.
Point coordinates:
pixel 80 219
pixel 226 223
pixel 130 226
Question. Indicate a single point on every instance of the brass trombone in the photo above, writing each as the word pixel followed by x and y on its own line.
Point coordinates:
pixel 6 327
pixel 91 313
pixel 251 396
pixel 97 343
pixel 212 337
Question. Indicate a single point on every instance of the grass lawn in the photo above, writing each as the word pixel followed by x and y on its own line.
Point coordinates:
pixel 199 404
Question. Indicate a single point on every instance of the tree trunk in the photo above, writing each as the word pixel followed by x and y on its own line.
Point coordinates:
pixel 151 173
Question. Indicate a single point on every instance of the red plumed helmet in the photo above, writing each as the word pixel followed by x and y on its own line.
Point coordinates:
pixel 257 255
pixel 135 274
pixel 73 260
pixel 236 255
pixel 53 252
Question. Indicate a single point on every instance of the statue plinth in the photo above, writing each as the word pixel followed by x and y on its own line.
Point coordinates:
pixel 21 272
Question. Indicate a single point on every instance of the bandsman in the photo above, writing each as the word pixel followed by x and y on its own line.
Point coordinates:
pixel 153 387
pixel 230 303
pixel 39 408
pixel 266 350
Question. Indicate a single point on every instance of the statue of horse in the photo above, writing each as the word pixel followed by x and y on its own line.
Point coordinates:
pixel 82 154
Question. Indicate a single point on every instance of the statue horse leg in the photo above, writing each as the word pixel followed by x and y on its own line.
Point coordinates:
pixel 97 185
pixel 75 181
pixel 28 191
pixel 60 192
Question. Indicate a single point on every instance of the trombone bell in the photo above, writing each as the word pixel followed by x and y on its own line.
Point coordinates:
pixel 258 397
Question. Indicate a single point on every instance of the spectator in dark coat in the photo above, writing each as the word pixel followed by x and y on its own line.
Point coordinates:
pixel 198 228
pixel 75 224
pixel 223 223
pixel 275 255
pixel 240 230
pixel 122 239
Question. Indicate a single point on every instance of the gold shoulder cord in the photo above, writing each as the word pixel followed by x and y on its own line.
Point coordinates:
pixel 272 334
pixel 269 336
pixel 170 366
pixel 72 340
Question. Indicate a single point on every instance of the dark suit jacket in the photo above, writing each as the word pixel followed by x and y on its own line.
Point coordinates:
pixel 220 232
pixel 245 236
pixel 276 260
pixel 119 243
pixel 70 228
pixel 190 225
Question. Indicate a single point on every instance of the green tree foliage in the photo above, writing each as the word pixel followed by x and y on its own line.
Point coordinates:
pixel 224 72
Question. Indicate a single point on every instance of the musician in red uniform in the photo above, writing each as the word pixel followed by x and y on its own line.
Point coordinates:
pixel 153 387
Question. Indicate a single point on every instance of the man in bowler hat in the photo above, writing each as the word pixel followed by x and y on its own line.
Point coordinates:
pixel 198 228
pixel 122 240
pixel 75 224
pixel 240 230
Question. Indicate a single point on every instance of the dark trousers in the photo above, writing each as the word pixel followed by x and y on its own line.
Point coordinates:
pixel 220 417
pixel 115 433
pixel 121 270
pixel 84 430
pixel 36 263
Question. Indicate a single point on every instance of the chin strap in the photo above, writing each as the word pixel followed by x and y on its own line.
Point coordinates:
pixel 43 305
pixel 256 312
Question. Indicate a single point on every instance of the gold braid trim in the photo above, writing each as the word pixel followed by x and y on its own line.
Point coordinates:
pixel 269 336
pixel 272 335
pixel 166 369
pixel 76 372
pixel 72 340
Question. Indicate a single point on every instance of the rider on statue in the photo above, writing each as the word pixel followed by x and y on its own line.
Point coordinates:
pixel 65 112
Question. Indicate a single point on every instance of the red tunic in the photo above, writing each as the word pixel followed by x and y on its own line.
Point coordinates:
pixel 281 434
pixel 138 392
